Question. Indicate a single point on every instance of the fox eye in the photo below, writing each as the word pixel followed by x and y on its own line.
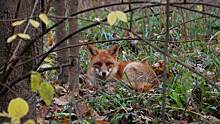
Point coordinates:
pixel 109 64
pixel 97 64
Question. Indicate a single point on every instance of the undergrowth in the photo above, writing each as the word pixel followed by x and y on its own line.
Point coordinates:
pixel 188 98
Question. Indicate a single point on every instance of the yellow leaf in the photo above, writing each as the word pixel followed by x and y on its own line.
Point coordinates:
pixel 112 18
pixel 16 23
pixel 47 93
pixel 43 17
pixel 5 123
pixel 18 108
pixel 121 16
pixel 29 122
pixel 12 38
pixel 35 81
pixel 24 36
pixel 15 121
pixel 218 36
pixel 199 7
pixel 34 23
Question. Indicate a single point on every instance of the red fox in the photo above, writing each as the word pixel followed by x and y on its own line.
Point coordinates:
pixel 103 65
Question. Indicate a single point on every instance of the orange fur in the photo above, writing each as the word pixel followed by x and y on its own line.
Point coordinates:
pixel 103 65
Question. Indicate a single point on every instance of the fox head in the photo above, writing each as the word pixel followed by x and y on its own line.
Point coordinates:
pixel 103 63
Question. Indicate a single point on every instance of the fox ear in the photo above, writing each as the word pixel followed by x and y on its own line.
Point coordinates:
pixel 92 50
pixel 114 50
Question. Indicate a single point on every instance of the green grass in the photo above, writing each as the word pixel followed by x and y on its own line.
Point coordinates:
pixel 120 105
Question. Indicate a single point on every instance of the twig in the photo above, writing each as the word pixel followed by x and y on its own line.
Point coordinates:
pixel 182 109
pixel 174 59
pixel 102 41
pixel 115 4
pixel 131 15
pixel 163 108
pixel 9 88
pixel 14 61
pixel 61 21
pixel 25 30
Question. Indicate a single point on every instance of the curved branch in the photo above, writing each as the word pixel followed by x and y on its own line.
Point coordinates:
pixel 172 58
pixel 16 59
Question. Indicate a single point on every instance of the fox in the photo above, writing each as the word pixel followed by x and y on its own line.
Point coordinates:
pixel 104 66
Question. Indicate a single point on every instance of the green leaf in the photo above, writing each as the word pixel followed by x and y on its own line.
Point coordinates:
pixel 46 65
pixel 112 17
pixel 121 16
pixel 35 81
pixel 12 38
pixel 34 23
pixel 24 36
pixel 18 108
pixel 47 92
pixel 43 17
pixel 16 23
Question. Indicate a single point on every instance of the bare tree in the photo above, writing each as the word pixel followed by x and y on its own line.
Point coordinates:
pixel 12 9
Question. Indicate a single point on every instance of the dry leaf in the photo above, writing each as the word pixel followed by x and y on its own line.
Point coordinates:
pixel 111 18
pixel 61 101
pixel 34 23
pixel 50 39
pixel 16 23
pixel 12 38
pixel 43 17
pixel 102 122
pixel 121 16
pixel 84 109
pixel 199 7
pixel 24 36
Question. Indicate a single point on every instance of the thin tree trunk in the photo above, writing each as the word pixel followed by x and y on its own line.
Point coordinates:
pixel 6 11
pixel 73 53
pixel 60 10
pixel 17 9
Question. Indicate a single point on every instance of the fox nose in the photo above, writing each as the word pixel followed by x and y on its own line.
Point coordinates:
pixel 104 73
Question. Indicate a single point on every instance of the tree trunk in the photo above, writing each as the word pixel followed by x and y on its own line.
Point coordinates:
pixel 59 6
pixel 73 53
pixel 17 9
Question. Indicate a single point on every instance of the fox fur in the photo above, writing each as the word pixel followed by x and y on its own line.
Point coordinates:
pixel 104 66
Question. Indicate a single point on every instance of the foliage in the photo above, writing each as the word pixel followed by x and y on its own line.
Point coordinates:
pixel 35 81
pixel 45 89
pixel 185 90
pixel 113 16
pixel 47 92
pixel 17 109
pixel 194 40
pixel 43 17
